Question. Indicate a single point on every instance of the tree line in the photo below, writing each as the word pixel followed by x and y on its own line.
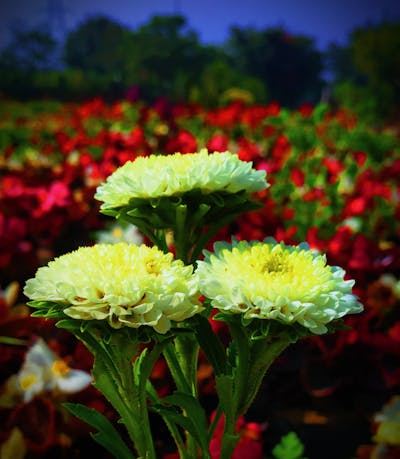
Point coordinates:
pixel 165 58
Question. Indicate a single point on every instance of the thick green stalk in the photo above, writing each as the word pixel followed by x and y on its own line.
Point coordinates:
pixel 253 358
pixel 124 388
pixel 132 406
pixel 239 387
pixel 187 352
pixel 173 429
pixel 263 355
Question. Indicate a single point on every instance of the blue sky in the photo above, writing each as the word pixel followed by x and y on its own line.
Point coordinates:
pixel 326 21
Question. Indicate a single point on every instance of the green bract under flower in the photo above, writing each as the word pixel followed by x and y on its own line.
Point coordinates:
pixel 267 280
pixel 173 175
pixel 124 284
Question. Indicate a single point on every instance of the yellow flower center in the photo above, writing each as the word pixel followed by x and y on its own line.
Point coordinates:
pixel 277 263
pixel 117 233
pixel 152 267
pixel 60 368
pixel 28 381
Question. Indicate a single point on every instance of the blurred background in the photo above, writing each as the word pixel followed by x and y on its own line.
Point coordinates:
pixel 288 52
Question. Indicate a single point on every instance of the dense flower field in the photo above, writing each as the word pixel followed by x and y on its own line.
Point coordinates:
pixel 335 183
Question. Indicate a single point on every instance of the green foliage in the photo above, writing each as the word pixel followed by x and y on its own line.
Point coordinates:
pixel 98 45
pixel 29 50
pixel 164 58
pixel 290 66
pixel 192 409
pixel 289 447
pixel 367 71
pixel 360 99
pixel 106 436
pixel 375 53
pixel 218 82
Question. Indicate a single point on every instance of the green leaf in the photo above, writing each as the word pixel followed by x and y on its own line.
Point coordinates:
pixel 319 112
pixel 289 447
pixel 189 424
pixel 210 344
pixel 109 212
pixel 195 412
pixel 225 387
pixel 107 436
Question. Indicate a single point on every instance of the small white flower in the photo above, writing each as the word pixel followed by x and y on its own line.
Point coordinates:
pixel 120 233
pixel 43 371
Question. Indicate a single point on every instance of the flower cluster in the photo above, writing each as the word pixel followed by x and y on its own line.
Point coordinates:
pixel 133 286
pixel 334 184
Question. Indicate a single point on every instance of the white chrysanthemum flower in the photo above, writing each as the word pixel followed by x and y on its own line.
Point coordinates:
pixel 267 280
pixel 124 284
pixel 43 371
pixel 173 175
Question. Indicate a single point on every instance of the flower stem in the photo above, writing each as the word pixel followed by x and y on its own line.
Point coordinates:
pixel 123 382
pixel 263 355
pixel 253 358
pixel 181 357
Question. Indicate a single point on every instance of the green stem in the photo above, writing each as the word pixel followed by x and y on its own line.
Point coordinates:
pixel 239 388
pixel 181 233
pixel 133 410
pixel 115 378
pixel 263 355
pixel 229 438
pixel 213 425
pixel 177 374
pixel 204 238
pixel 174 431
pixel 141 378
pixel 13 341
pixel 187 351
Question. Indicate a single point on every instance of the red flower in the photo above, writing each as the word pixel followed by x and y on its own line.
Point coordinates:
pixel 355 206
pixel 218 142
pixel 248 151
pixel 314 195
pixel 394 332
pixel 249 445
pixel 306 110
pixel 183 142
pixel 225 117
pixel 281 149
pixel 334 167
pixel 297 176
pixel 36 420
pixel 12 187
pixel 254 115
pixel 269 131
pixel 57 195
pixel 360 158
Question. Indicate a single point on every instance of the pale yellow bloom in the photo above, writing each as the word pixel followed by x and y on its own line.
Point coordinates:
pixel 173 175
pixel 267 280
pixel 124 284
